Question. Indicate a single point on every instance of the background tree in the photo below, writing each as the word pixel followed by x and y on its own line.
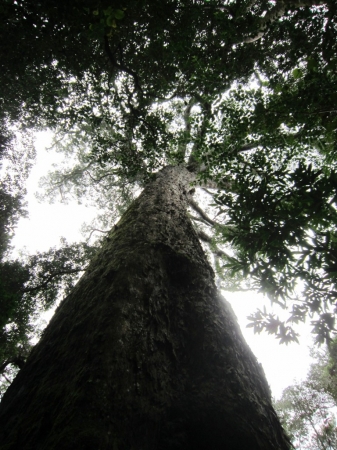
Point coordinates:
pixel 14 318
pixel 308 409
pixel 31 284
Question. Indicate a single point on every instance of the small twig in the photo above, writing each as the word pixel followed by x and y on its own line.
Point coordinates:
pixel 108 174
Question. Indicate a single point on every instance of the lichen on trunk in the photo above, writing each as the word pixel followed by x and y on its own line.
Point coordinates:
pixel 144 353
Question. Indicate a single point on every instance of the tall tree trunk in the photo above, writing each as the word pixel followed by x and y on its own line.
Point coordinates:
pixel 144 354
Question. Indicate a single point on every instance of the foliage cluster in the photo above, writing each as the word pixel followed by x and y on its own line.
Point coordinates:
pixel 308 409
pixel 31 284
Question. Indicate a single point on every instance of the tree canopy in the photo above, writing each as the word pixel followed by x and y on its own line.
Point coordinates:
pixel 241 92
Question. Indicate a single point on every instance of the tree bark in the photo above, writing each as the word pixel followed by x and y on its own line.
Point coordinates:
pixel 144 354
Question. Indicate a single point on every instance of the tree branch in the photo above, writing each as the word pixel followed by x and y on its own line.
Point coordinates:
pixel 182 147
pixel 278 11
pixel 207 108
pixel 120 66
pixel 50 278
pixel 93 231
pixel 202 213
pixel 99 179
pixel 206 238
pixel 208 192
pixel 247 147
pixel 18 361
pixel 199 219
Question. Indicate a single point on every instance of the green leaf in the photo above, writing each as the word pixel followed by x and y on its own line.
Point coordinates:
pixel 312 64
pixel 297 73
pixel 119 14
pixel 108 11
pixel 110 21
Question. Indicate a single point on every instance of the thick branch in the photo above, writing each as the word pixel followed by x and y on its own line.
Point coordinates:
pixel 278 11
pixel 206 238
pixel 208 192
pixel 120 66
pixel 202 213
pixel 207 108
pixel 247 147
pixel 199 219
pixel 187 127
pixel 18 361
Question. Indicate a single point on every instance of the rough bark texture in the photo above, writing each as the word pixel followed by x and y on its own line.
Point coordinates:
pixel 144 354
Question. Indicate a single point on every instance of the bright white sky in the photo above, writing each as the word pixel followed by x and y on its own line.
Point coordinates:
pixel 48 223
